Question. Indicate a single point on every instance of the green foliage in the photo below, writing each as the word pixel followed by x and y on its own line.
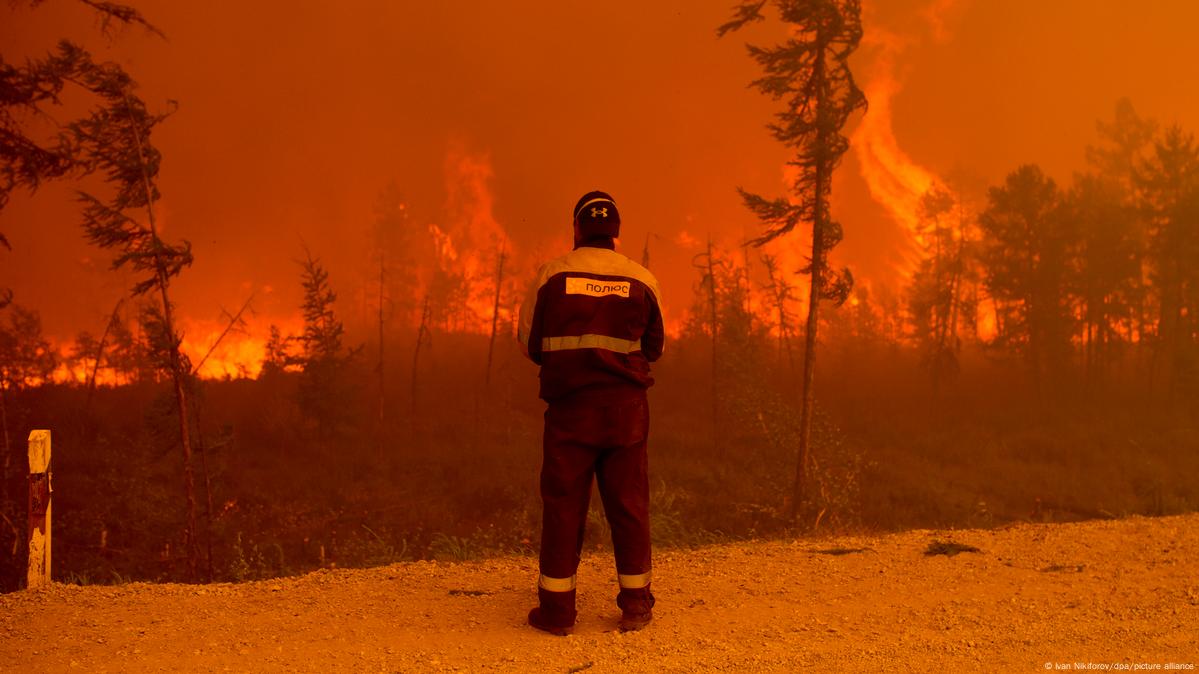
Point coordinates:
pixel 246 563
pixel 454 548
pixel 837 472
pixel 374 550
pixel 755 411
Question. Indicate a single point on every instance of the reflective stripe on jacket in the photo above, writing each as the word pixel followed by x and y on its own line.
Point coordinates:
pixel 592 318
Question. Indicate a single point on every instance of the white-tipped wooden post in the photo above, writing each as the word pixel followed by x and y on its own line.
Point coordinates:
pixel 39 509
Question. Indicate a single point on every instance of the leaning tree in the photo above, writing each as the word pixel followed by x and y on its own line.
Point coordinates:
pixel 112 140
pixel 809 72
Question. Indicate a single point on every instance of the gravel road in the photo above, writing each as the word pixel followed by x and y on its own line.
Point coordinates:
pixel 1034 597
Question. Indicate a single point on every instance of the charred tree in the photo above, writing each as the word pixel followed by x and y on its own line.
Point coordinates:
pixel 495 312
pixel 810 72
pixel 932 296
pixel 707 265
pixel 323 357
pixel 233 322
pixel 113 320
pixel 781 294
pixel 393 258
pixel 422 337
pixel 277 357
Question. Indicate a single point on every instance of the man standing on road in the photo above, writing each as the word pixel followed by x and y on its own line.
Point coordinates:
pixel 593 322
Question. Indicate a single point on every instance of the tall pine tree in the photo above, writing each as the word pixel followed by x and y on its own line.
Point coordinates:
pixel 809 72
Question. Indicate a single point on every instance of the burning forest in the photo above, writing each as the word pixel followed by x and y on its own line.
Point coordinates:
pixel 262 273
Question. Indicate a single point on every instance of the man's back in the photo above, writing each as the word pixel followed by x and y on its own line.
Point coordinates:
pixel 593 322
pixel 592 319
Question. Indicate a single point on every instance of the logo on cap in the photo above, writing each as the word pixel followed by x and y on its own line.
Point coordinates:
pixel 599 212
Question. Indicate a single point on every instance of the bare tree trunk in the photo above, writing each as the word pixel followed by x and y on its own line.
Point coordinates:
pixel 91 381
pixel 495 314
pixel 233 320
pixel 779 291
pixel 715 352
pixel 421 332
pixel 203 449
pixel 959 267
pixel 745 274
pixel 1170 338
pixel 176 361
pixel 800 488
pixel 782 331
pixel 189 480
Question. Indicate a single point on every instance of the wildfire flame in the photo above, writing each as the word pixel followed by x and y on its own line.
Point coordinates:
pixel 472 240
pixel 240 353
pixel 894 179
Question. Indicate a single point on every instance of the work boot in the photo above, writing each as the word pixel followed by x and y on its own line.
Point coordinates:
pixel 556 614
pixel 637 605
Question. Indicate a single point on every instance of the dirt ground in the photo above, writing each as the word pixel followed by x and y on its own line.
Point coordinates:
pixel 1093 595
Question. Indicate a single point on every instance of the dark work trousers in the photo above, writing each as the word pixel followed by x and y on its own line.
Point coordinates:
pixel 600 433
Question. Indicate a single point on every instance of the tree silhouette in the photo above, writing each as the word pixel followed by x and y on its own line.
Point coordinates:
pixel 26 359
pixel 1107 268
pixel 277 356
pixel 114 141
pixel 1169 181
pixel 501 257
pixel 810 72
pixel 1025 254
pixel 323 356
pixel 781 294
pixel 933 296
pixel 1118 161
pixel 392 249
pixel 27 93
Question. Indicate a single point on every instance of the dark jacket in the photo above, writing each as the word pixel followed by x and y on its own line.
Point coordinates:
pixel 592 319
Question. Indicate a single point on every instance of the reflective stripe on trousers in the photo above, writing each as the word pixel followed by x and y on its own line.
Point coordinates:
pixel 601 438
pixel 556 584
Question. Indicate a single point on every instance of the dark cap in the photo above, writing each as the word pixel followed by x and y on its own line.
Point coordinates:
pixel 597 216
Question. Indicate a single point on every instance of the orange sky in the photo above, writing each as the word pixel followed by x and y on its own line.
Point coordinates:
pixel 292 119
